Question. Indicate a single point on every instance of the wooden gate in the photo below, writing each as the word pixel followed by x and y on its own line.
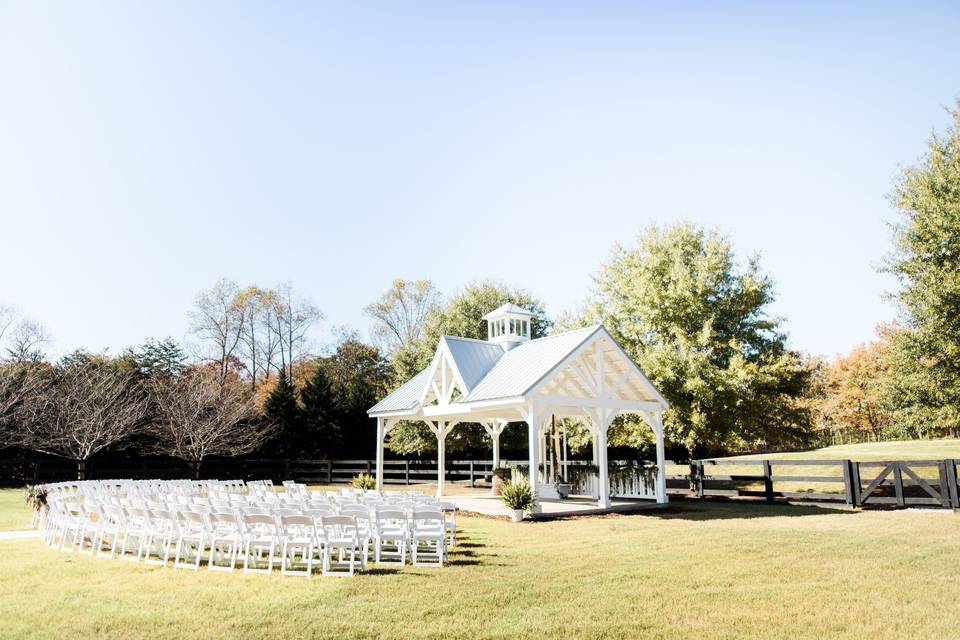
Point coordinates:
pixel 909 486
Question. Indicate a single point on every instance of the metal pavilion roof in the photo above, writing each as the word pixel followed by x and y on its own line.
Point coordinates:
pixel 489 372
pixel 508 308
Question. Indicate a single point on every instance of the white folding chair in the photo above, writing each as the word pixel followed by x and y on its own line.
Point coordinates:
pixel 300 542
pixel 391 535
pixel 162 537
pixel 192 537
pixel 137 528
pixel 428 537
pixel 340 535
pixel 225 539
pixel 111 530
pixel 259 534
pixel 449 510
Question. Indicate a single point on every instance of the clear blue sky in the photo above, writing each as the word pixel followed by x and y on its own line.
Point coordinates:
pixel 149 148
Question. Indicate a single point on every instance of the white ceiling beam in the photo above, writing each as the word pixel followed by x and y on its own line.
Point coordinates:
pixel 603 403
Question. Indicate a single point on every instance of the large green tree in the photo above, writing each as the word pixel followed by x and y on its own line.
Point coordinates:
pixel 698 324
pixel 462 315
pixel 926 262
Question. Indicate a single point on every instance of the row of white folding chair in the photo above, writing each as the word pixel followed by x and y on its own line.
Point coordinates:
pixel 187 535
pixel 408 506
pixel 159 532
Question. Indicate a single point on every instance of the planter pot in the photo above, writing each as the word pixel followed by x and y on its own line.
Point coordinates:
pixel 564 490
pixel 500 476
pixel 516 515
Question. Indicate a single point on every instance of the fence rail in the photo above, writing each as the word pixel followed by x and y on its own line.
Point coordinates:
pixel 403 472
pixel 898 483
pixel 901 483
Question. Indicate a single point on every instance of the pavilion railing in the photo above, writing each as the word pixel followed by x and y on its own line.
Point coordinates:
pixel 626 478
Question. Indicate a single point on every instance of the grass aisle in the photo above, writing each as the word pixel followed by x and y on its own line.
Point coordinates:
pixel 705 570
pixel 14 513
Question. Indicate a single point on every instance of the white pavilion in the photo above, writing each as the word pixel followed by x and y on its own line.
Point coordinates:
pixel 582 374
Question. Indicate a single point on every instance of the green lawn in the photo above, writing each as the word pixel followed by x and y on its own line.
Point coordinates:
pixel 14 513
pixel 904 450
pixel 866 452
pixel 714 570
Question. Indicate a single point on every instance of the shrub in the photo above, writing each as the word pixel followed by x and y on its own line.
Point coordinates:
pixel 36 497
pixel 364 481
pixel 517 495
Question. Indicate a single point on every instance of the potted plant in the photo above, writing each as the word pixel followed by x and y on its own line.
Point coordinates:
pixel 364 481
pixel 564 489
pixel 518 497
pixel 501 476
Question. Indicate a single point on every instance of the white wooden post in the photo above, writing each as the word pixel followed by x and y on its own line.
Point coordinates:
pixel 557 456
pixel 533 442
pixel 604 475
pixel 656 421
pixel 380 436
pixel 543 457
pixel 441 456
pixel 563 463
pixel 494 429
pixel 601 419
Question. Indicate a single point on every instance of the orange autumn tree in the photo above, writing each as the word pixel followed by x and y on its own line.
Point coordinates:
pixel 856 389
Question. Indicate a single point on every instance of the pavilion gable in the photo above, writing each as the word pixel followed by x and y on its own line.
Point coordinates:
pixel 457 366
pixel 598 373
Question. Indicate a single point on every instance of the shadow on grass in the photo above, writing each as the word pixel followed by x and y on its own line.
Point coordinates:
pixel 715 509
pixel 704 510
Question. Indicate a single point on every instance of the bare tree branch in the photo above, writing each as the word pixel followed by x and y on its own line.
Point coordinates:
pixel 401 312
pixel 199 418
pixel 89 406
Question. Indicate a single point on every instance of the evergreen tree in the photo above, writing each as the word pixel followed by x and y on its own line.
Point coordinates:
pixel 319 414
pixel 282 409
pixel 158 357
pixel 359 375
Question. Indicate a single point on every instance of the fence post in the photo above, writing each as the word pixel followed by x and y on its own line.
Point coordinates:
pixel 942 480
pixel 329 471
pixel 848 483
pixel 369 468
pixel 471 474
pixel 767 481
pixel 951 469
pixel 857 484
pixel 898 484
pixel 698 479
pixel 406 469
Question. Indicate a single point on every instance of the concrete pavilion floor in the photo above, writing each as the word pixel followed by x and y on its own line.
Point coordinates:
pixel 489 505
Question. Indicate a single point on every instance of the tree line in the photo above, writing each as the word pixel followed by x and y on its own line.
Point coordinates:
pixel 906 383
pixel 690 311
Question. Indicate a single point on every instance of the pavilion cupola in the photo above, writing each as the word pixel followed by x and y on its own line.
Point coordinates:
pixel 509 325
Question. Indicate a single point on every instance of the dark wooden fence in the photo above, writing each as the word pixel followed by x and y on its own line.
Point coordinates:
pixel 902 483
pixel 899 483
pixel 402 472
